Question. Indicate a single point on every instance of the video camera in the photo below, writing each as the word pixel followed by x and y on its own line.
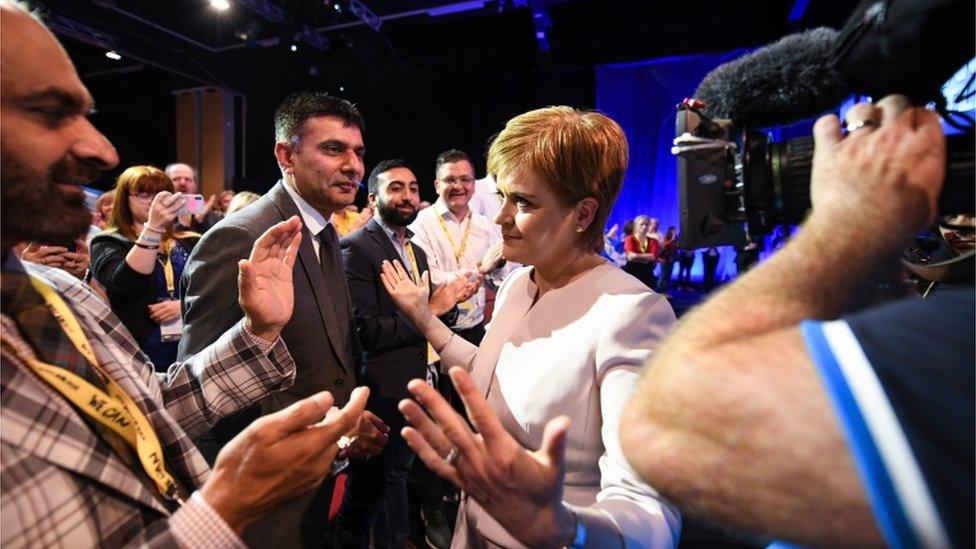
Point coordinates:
pixel 734 182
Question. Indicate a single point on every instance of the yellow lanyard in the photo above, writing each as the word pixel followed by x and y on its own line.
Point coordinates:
pixel 115 410
pixel 168 271
pixel 458 251
pixel 432 355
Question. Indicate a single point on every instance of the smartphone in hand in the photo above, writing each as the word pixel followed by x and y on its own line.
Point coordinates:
pixel 192 204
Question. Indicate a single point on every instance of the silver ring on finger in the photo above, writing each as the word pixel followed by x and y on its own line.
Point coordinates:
pixel 861 124
pixel 451 456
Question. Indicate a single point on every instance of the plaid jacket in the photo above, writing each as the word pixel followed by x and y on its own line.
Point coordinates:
pixel 61 485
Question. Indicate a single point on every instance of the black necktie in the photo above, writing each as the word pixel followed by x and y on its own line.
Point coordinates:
pixel 335 279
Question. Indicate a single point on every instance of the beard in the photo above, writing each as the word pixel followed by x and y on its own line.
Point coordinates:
pixel 34 208
pixel 391 215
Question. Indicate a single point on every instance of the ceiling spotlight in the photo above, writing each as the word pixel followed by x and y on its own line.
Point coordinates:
pixel 342 88
pixel 220 5
pixel 294 47
pixel 113 55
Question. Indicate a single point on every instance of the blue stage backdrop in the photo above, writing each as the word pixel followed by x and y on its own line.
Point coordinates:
pixel 642 97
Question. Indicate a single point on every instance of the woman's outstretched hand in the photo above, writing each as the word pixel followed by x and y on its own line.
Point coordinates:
pixel 520 489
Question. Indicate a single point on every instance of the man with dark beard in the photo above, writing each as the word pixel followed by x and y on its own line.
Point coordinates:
pixel 95 448
pixel 394 353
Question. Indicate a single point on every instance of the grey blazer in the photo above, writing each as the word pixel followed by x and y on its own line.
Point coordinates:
pixel 325 360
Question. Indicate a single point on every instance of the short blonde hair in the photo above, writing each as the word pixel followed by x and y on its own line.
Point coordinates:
pixel 579 154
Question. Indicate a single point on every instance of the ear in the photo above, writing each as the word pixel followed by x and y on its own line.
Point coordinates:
pixel 585 212
pixel 371 199
pixel 285 156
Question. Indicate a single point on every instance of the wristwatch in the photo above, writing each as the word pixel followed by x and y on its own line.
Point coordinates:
pixel 579 530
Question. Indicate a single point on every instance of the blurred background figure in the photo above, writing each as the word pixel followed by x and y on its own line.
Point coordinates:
pixel 240 200
pixel 223 202
pixel 351 219
pixel 641 251
pixel 667 258
pixel 139 260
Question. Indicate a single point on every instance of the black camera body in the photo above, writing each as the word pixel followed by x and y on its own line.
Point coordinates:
pixel 734 183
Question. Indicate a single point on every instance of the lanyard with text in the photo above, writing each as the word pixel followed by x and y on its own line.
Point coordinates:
pixel 432 356
pixel 114 409
pixel 458 250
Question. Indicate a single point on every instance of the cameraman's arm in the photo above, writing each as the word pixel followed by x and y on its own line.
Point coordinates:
pixel 740 427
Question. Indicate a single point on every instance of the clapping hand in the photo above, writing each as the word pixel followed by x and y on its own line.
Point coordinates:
pixel 410 298
pixel 267 294
pixel 520 489
pixel 279 457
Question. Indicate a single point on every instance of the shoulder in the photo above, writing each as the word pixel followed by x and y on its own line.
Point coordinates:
pixel 66 285
pixel 625 299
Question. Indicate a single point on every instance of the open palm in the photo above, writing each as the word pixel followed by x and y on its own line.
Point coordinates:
pixel 267 294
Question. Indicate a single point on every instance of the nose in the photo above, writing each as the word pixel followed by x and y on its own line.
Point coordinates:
pixel 93 148
pixel 352 165
pixel 504 215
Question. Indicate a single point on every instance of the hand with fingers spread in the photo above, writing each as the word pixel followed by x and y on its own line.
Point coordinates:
pixel 410 298
pixel 279 457
pixel 267 293
pixel 521 489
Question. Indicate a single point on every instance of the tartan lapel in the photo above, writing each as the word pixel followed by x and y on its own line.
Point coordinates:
pixel 39 421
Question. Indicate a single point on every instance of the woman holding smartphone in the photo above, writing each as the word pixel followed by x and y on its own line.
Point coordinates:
pixel 139 259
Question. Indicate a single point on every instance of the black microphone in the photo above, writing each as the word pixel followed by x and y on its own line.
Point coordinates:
pixel 788 80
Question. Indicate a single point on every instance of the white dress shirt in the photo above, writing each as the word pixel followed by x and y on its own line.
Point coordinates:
pixel 445 267
pixel 312 218
pixel 577 351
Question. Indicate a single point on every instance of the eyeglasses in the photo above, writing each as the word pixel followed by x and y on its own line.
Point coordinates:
pixel 465 180
pixel 145 197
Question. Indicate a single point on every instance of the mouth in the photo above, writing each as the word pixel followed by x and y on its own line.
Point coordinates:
pixel 406 208
pixel 509 238
pixel 347 187
pixel 457 194
pixel 69 188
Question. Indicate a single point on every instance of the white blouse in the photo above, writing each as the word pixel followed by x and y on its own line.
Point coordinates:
pixel 578 351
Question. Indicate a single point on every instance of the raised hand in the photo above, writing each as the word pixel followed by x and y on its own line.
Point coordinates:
pixel 278 457
pixel 448 295
pixel 409 297
pixel 372 437
pixel 522 490
pixel 267 294
pixel 163 210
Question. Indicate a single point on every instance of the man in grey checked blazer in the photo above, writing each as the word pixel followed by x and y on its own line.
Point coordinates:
pixel 65 484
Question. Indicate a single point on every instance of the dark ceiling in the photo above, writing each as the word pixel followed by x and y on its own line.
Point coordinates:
pixel 425 81
pixel 189 43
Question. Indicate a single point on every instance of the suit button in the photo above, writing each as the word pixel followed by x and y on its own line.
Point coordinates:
pixel 339 382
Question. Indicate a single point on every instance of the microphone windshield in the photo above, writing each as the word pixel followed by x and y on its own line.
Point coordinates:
pixel 788 80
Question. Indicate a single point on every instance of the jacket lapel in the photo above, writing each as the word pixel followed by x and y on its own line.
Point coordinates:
pixel 39 421
pixel 312 268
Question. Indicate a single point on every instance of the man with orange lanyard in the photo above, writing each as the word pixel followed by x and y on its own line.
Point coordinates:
pixel 95 448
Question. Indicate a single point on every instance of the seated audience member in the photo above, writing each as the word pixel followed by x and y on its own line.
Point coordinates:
pixel 642 251
pixel 72 477
pixel 184 178
pixel 783 405
pixel 240 201
pixel 139 259
pixel 394 352
pixel 667 257
pixel 565 346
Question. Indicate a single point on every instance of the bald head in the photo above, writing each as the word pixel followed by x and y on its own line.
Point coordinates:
pixel 48 148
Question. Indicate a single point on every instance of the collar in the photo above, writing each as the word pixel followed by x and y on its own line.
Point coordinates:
pixel 390 232
pixel 442 210
pixel 312 218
